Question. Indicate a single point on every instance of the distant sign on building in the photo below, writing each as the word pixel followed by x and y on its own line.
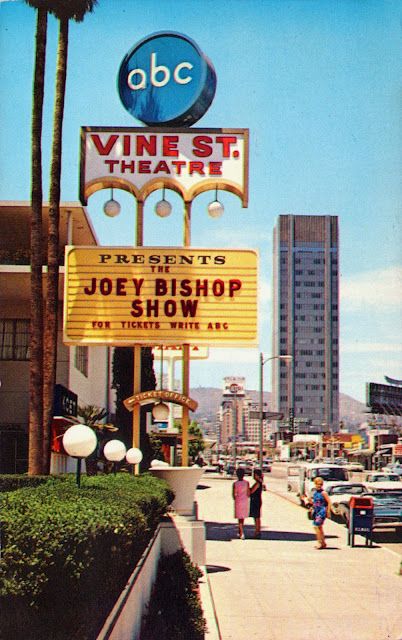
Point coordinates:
pixel 234 386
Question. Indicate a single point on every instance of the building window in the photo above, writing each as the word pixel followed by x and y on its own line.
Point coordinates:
pixel 14 339
pixel 81 360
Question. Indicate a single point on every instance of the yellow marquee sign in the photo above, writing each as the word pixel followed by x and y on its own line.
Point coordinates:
pixel 160 296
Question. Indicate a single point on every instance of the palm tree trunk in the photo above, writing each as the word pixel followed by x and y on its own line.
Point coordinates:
pixel 36 346
pixel 52 282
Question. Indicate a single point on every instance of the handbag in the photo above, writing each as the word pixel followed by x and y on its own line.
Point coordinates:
pixel 310 513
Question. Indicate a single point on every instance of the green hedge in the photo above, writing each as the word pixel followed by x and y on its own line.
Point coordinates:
pixel 68 552
pixel 175 611
pixel 10 482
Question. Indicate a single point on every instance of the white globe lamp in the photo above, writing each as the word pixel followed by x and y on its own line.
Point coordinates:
pixel 163 208
pixel 160 412
pixel 111 208
pixel 134 456
pixel 79 441
pixel 215 209
pixel 114 450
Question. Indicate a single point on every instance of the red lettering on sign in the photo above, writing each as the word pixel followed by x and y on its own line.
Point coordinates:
pixel 102 149
pixel 196 167
pixel 169 145
pixel 202 146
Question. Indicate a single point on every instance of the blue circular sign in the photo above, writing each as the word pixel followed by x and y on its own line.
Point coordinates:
pixel 166 80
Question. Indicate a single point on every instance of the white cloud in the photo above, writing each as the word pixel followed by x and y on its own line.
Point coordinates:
pixel 380 289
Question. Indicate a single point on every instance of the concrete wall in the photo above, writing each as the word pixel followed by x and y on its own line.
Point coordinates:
pixel 124 621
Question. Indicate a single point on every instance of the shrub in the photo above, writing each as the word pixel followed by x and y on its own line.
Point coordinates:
pixel 175 611
pixel 10 482
pixel 68 552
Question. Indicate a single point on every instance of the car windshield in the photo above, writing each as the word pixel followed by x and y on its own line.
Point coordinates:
pixel 392 497
pixel 386 477
pixel 330 473
pixel 348 488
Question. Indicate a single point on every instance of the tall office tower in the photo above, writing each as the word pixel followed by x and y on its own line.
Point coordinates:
pixel 305 323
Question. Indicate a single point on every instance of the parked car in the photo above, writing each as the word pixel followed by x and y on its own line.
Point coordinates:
pixel 266 466
pixel 211 468
pixel 387 510
pixel 340 495
pixel 393 468
pixel 301 477
pixel 378 480
pixel 247 466
pixel 354 466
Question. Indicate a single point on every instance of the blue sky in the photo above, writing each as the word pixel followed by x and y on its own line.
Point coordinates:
pixel 317 82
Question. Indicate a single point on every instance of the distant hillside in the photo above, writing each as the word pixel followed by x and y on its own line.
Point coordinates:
pixel 351 411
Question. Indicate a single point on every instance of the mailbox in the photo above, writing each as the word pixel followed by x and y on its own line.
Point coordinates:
pixel 361 519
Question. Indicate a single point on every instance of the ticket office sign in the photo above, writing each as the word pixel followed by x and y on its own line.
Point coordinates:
pixel 140 160
pixel 160 296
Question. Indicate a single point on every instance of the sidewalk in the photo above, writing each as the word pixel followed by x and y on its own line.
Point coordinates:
pixel 282 588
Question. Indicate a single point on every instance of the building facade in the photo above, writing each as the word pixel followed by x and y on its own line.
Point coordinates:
pixel 306 320
pixel 240 414
pixel 82 372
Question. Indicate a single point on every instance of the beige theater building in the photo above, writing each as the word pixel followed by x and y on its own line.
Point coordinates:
pixel 83 373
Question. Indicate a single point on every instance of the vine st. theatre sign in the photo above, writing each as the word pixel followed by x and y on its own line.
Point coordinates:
pixel 188 161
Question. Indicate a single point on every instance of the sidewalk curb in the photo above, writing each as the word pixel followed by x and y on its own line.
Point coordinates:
pixel 212 632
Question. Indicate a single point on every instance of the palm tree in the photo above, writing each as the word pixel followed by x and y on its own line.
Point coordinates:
pixel 64 11
pixel 36 343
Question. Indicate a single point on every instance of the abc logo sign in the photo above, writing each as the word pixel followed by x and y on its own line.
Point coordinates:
pixel 166 80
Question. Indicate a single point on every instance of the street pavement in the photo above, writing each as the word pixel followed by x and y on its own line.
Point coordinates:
pixel 281 588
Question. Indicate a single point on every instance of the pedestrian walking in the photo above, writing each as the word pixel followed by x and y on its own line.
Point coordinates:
pixel 256 501
pixel 321 507
pixel 241 497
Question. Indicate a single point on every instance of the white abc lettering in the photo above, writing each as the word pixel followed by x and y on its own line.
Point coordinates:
pixel 155 70
pixel 176 74
pixel 140 82
pixel 140 85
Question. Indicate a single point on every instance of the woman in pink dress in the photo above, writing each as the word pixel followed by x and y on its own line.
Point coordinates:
pixel 241 493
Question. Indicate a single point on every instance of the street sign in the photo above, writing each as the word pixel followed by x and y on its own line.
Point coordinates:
pixel 266 415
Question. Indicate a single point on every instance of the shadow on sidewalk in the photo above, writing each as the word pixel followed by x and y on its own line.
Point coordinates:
pixel 226 531
pixel 215 568
pixel 223 531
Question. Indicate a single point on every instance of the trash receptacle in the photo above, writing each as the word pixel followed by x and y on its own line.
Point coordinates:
pixel 361 519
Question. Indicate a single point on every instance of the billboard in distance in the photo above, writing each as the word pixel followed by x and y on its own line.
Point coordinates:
pixel 384 398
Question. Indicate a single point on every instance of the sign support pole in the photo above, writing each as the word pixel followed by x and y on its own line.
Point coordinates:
pixel 139 241
pixel 186 351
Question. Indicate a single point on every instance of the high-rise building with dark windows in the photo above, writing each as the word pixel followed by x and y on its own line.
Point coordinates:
pixel 306 320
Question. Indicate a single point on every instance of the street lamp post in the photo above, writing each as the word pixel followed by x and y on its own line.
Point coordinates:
pixel 234 389
pixel 286 358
